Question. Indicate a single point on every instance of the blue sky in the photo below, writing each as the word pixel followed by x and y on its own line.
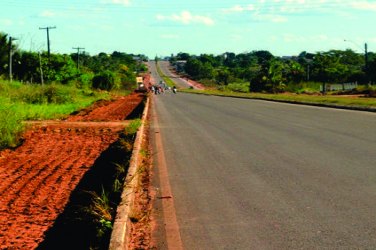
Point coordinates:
pixel 165 27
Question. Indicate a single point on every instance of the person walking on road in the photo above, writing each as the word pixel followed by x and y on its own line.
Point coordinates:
pixel 174 89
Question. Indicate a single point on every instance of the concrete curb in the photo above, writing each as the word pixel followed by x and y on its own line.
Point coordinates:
pixel 122 222
pixel 324 105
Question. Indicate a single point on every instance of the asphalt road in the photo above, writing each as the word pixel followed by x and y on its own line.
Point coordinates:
pixel 250 174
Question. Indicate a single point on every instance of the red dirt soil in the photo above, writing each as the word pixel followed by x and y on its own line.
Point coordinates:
pixel 38 177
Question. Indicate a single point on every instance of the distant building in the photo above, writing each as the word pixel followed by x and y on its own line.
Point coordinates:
pixel 179 65
pixel 287 58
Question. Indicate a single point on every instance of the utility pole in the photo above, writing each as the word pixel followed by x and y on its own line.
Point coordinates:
pixel 78 56
pixel 366 60
pixel 48 40
pixel 40 68
pixel 10 58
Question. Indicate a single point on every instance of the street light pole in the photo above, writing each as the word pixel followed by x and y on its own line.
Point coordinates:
pixel 365 56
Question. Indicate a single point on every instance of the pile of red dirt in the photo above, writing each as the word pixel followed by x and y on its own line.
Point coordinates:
pixel 38 177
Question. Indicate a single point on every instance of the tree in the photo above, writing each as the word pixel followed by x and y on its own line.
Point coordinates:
pixel 28 68
pixel 4 53
pixel 294 72
pixel 229 59
pixel 276 77
pixel 246 60
pixel 372 67
pixel 194 68
pixel 210 59
pixel 182 56
pixel 61 68
pixel 333 66
pixel 263 56
pixel 223 76
pixel 104 80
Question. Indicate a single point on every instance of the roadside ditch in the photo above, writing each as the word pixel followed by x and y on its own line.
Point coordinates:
pixel 94 217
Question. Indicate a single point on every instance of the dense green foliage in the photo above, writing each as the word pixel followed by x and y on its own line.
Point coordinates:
pixel 109 71
pixel 262 71
pixel 49 87
pixel 104 80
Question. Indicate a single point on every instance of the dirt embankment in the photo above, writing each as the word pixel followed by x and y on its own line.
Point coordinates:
pixel 38 177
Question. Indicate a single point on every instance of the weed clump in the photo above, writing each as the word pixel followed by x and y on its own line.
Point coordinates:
pixel 10 127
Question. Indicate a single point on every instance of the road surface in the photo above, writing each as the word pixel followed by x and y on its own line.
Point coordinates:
pixel 251 174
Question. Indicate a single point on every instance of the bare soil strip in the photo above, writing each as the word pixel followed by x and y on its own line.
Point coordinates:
pixel 39 176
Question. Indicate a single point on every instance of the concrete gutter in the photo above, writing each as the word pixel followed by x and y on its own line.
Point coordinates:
pixel 122 222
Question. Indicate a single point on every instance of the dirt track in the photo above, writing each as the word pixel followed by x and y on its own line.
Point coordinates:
pixel 38 177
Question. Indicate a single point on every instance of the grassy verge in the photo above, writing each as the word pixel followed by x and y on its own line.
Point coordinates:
pixel 296 98
pixel 165 78
pixel 20 102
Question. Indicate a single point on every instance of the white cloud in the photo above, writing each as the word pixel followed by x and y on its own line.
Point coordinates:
pixel 185 17
pixel 236 37
pixel 169 36
pixel 119 2
pixel 321 38
pixel 293 38
pixel 239 8
pixel 47 13
pixel 270 18
pixel 6 22
pixel 122 2
pixel 364 5
pixel 260 11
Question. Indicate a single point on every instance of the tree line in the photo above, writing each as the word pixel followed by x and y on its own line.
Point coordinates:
pixel 103 71
pixel 262 71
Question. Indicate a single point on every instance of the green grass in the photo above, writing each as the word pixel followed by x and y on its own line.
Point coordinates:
pixel 133 127
pixel 20 102
pixel 297 98
pixel 165 78
pixel 10 126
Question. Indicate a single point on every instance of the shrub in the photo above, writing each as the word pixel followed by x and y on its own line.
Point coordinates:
pixel 58 95
pixel 104 80
pixel 304 87
pixel 10 127
pixel 48 94
pixel 239 87
pixel 85 80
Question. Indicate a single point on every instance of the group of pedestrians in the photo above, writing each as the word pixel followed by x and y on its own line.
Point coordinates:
pixel 162 88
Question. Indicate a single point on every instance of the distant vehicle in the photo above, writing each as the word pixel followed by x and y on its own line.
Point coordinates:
pixel 140 85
